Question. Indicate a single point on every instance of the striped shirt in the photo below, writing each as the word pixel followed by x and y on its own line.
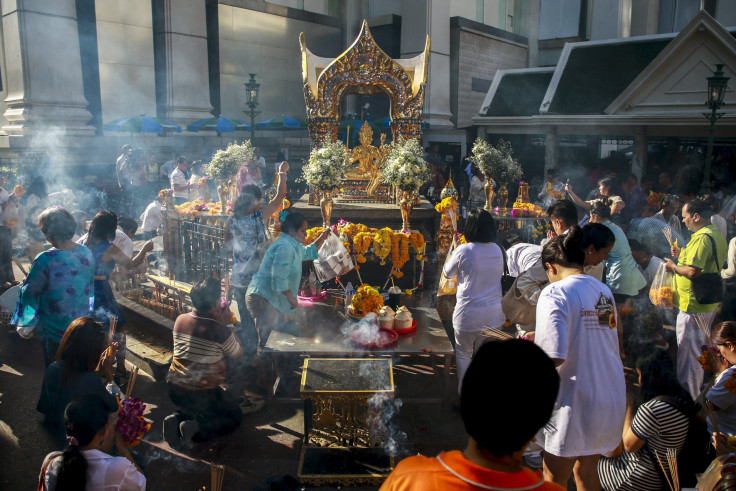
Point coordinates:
pixel 662 426
pixel 200 348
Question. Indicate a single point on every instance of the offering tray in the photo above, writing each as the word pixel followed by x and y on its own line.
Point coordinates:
pixel 385 338
pixel 407 330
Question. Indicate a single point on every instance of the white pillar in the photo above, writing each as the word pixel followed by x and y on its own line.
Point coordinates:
pixel 551 151
pixel 43 69
pixel 419 18
pixel 182 40
pixel 639 156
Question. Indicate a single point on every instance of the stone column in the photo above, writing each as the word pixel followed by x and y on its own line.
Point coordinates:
pixel 419 18
pixel 180 42
pixel 44 69
pixel 639 156
pixel 551 151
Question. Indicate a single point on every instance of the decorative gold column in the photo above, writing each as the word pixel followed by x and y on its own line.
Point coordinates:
pixel 326 205
pixel 407 205
pixel 503 199
pixel 488 189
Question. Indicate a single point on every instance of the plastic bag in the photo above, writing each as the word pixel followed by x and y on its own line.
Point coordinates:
pixel 334 260
pixel 447 286
pixel 662 291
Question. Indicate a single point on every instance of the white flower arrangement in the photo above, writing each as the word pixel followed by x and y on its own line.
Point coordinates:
pixel 405 166
pixel 226 163
pixel 326 167
pixel 496 162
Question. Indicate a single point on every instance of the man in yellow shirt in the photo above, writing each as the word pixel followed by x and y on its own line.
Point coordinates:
pixel 693 260
pixel 497 435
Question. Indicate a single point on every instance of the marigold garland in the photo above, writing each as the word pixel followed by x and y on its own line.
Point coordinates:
pixel 366 299
pixel 312 234
pixel 446 205
pixel 399 253
pixel 382 244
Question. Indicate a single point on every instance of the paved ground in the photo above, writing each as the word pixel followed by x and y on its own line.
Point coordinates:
pixel 255 452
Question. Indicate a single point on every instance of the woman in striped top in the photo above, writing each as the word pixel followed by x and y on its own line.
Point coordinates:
pixel 658 424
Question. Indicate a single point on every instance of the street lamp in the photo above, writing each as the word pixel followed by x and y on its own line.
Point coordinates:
pixel 251 100
pixel 717 85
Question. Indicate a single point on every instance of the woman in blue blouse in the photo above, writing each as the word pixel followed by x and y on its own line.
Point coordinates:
pixel 59 287
pixel 273 289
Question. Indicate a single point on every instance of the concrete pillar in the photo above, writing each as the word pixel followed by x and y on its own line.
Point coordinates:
pixel 180 42
pixel 43 69
pixel 535 8
pixel 551 151
pixel 639 156
pixel 419 18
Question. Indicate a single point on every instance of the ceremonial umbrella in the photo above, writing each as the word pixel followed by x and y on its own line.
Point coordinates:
pixel 142 124
pixel 281 123
pixel 219 125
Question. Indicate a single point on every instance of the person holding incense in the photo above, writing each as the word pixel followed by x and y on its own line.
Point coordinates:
pixel 106 255
pixel 660 422
pixel 576 327
pixel 59 286
pixel 86 462
pixel 723 393
pixel 83 366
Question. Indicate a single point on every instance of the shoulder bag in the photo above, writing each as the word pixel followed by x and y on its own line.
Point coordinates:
pixel 516 305
pixel 708 287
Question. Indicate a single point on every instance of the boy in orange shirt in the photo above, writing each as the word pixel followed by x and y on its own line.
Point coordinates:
pixel 498 432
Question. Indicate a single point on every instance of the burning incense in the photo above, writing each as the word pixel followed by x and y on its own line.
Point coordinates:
pixel 131 382
pixel 493 333
pixel 704 325
pixel 668 235
pixel 113 325
pixel 664 471
pixel 672 461
pixel 218 475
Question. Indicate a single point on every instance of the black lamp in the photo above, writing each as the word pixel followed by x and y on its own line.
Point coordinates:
pixel 251 100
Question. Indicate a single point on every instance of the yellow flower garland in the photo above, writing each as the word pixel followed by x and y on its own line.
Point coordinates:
pixel 399 253
pixel 382 244
pixel 312 234
pixel 446 205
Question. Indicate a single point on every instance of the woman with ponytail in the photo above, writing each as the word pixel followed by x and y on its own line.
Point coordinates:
pixel 86 463
pixel 576 327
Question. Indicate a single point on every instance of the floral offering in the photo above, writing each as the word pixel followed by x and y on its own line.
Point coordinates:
pixel 226 163
pixel 447 205
pixel 366 299
pixel 165 193
pixel 405 166
pixel 663 297
pixel 326 167
pixel 496 162
pixel 131 423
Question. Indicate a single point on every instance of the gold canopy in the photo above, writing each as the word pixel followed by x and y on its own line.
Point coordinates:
pixel 364 68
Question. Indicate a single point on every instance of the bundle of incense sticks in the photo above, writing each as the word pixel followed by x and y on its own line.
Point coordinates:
pixel 492 332
pixel 218 475
pixel 131 382
pixel 668 235
pixel 704 325
pixel 113 325
pixel 453 218
pixel 672 461
pixel 664 471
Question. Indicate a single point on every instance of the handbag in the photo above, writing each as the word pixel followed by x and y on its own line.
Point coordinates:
pixel 708 287
pixel 447 286
pixel 516 305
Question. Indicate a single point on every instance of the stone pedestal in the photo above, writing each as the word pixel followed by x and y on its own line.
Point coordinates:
pixel 43 69
pixel 180 42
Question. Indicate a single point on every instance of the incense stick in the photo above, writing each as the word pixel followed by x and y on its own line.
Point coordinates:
pixel 111 335
pixel 702 321
pixel 494 333
pixel 668 235
pixel 664 471
pixel 217 476
pixel 672 461
pixel 131 382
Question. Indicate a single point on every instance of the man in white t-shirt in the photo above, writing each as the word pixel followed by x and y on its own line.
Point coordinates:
pixel 520 256
pixel 648 263
pixel 179 182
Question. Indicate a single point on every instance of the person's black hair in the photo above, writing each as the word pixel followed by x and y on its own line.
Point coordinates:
pixel 658 376
pixel 80 347
pixel 248 195
pixel 37 187
pixel 292 222
pixel 510 240
pixel 127 223
pixel 181 159
pixel 102 228
pixel 280 157
pixel 666 199
pixel 632 175
pixel 565 249
pixel 597 235
pixel 496 429
pixel 713 202
pixel 723 333
pixel 83 419
pixel 637 246
pixel 57 224
pixel 563 210
pixel 602 209
pixel 552 173
pixel 480 226
pixel 126 147
pixel 609 181
pixel 205 295
pixel 727 482
pixel 701 207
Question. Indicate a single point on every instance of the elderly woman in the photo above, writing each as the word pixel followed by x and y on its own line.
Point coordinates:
pixel 273 289
pixel 59 286
pixel 606 186
pixel 478 266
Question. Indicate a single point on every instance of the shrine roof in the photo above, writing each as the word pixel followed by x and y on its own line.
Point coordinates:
pixel 517 92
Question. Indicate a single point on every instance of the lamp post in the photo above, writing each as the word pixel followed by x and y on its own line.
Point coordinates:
pixel 251 100
pixel 717 85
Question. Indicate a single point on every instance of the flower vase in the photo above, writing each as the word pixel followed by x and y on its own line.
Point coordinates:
pixel 488 190
pixel 222 191
pixel 325 205
pixel 407 205
pixel 503 199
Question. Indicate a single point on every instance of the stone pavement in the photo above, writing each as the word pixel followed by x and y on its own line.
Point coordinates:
pixel 256 450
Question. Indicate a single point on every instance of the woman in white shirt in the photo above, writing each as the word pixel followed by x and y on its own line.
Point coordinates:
pixel 86 463
pixel 478 266
pixel 576 327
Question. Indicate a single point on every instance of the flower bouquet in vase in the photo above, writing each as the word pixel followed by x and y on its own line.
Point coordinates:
pixel 496 163
pixel 325 171
pixel 225 164
pixel 406 169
